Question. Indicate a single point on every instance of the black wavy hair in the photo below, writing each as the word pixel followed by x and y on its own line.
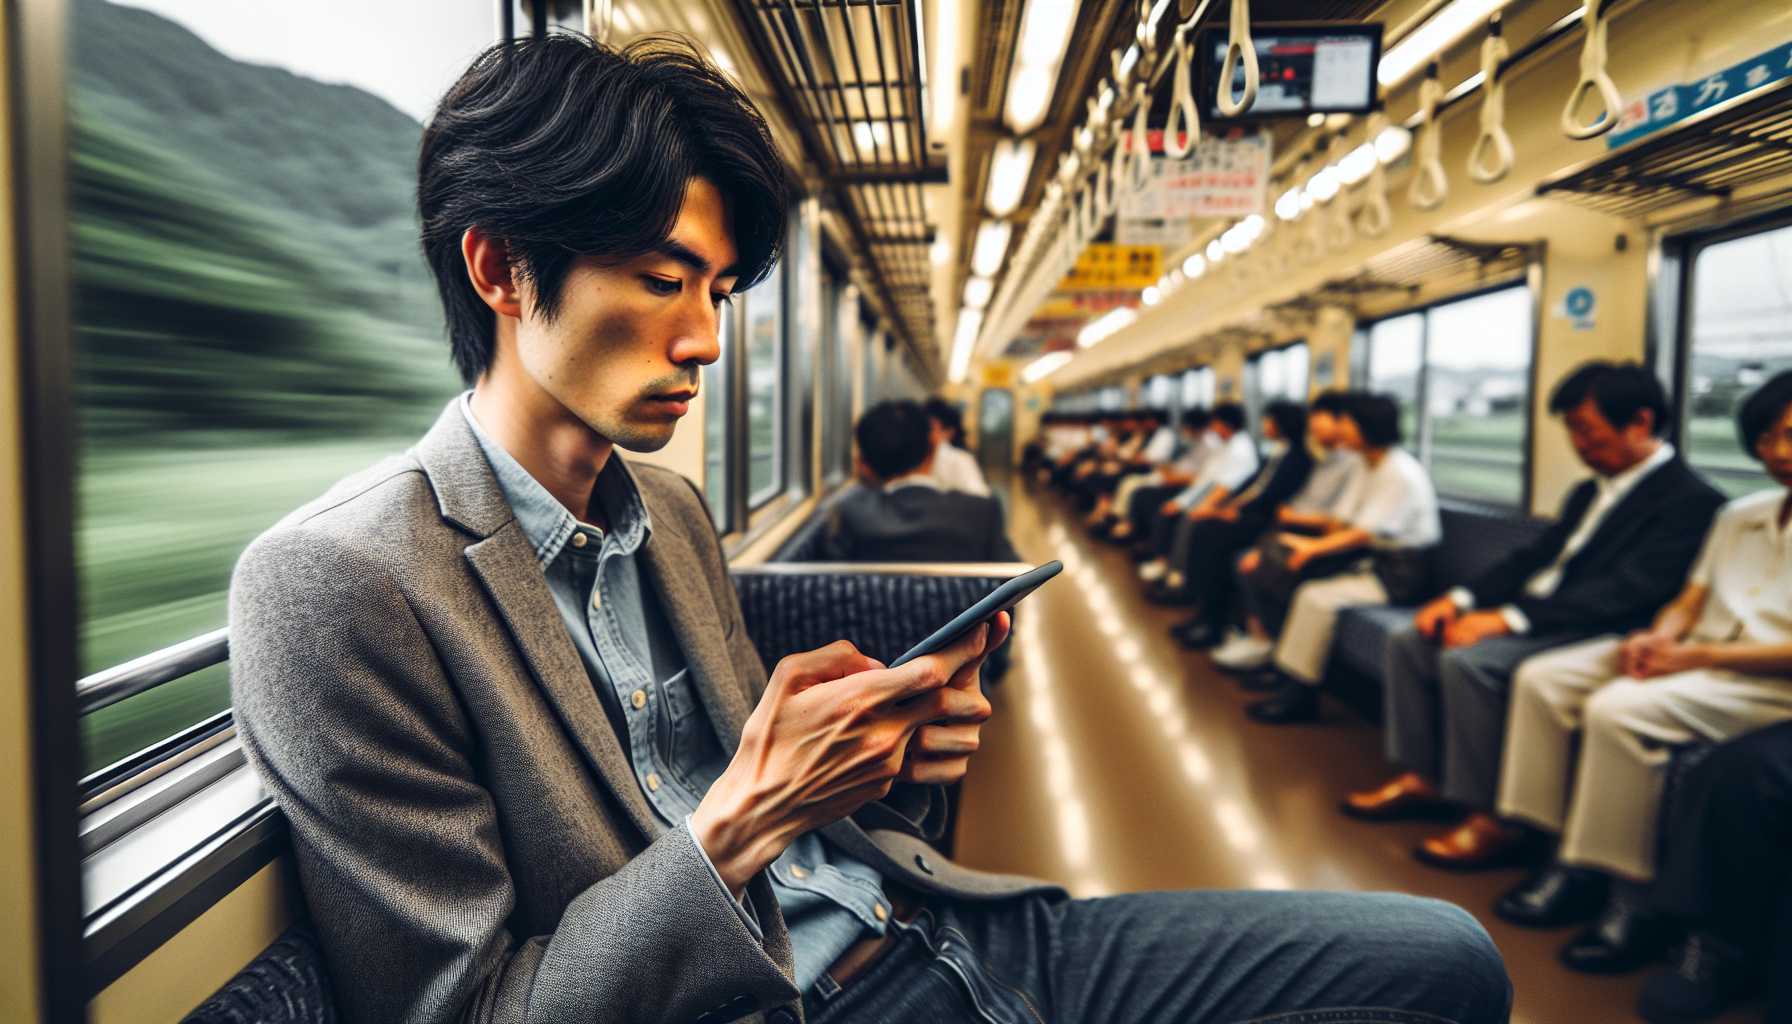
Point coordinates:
pixel 563 147
pixel 1196 418
pixel 1290 419
pixel 894 438
pixel 1620 391
pixel 1334 402
pixel 1377 418
pixel 1761 410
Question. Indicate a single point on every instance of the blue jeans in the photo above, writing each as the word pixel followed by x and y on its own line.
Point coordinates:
pixel 1206 957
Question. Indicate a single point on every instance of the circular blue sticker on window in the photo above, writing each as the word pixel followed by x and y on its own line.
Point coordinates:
pixel 1578 302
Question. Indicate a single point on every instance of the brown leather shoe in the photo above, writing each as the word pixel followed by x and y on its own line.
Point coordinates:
pixel 1406 798
pixel 1480 843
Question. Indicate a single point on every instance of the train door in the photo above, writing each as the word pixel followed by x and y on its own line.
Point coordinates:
pixel 995 430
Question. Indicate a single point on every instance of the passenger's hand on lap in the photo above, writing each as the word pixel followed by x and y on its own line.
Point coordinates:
pixel 832 733
pixel 1663 656
pixel 1300 550
pixel 1170 508
pixel 1250 561
pixel 1435 616
pixel 1474 627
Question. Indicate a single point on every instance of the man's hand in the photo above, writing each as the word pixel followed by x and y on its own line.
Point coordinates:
pixel 1474 627
pixel 1664 656
pixel 1435 616
pixel 833 732
pixel 1300 550
pixel 1252 560
pixel 1170 508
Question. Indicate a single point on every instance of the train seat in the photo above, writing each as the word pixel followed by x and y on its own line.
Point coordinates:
pixel 1473 541
pixel 286 984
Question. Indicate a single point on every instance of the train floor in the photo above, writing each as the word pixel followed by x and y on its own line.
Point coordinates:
pixel 1116 762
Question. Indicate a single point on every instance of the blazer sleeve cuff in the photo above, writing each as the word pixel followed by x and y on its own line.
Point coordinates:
pixel 1516 620
pixel 740 905
pixel 1463 598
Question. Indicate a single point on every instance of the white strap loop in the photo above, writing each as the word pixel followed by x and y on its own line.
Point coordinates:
pixel 1341 232
pixel 1239 47
pixel 1494 52
pixel 1430 185
pixel 1377 215
pixel 1106 179
pixel 1593 76
pixel 1140 142
pixel 1182 101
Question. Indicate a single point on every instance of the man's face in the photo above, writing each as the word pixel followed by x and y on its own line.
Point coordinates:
pixel 1349 435
pixel 1322 427
pixel 937 432
pixel 1606 449
pixel 1774 446
pixel 624 351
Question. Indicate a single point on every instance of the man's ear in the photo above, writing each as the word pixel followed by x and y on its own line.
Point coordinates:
pixel 488 269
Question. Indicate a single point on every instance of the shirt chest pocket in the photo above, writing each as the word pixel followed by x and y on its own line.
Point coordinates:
pixel 690 747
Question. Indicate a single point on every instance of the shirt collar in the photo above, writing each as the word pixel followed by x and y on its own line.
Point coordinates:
pixel 912 480
pixel 545 521
pixel 1622 483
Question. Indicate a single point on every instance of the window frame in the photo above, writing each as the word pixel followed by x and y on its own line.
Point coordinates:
pixel 1531 280
pixel 1668 331
pixel 757 500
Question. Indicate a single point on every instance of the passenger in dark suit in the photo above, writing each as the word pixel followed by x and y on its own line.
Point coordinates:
pixel 900 514
pixel 1619 550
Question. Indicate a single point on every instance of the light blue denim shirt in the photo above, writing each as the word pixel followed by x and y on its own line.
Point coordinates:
pixel 829 900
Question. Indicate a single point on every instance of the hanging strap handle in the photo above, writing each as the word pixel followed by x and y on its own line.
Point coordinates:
pixel 1140 142
pixel 1239 47
pixel 1182 100
pixel 1377 215
pixel 1430 185
pixel 1492 155
pixel 1593 76
pixel 1342 230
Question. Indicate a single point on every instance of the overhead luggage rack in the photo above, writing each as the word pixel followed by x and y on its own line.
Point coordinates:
pixel 1710 155
pixel 1437 257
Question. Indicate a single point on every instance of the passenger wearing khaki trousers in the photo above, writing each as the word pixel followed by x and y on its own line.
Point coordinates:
pixel 1716 663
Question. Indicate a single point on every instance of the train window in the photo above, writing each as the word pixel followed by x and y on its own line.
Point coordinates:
pixel 716 407
pixel 253 319
pixel 837 321
pixel 764 353
pixel 1477 391
pixel 1396 357
pixel 1197 388
pixel 1741 302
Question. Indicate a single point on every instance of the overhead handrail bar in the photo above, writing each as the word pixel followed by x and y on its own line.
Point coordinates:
pixel 1430 185
pixel 1593 76
pixel 1493 141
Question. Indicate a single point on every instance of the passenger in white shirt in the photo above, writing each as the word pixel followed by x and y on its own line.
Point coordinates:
pixel 1141 505
pixel 1144 467
pixel 1223 471
pixel 954 469
pixel 1390 506
pixel 1716 662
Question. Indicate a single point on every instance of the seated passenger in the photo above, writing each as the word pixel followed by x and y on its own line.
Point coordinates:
pixel 1098 474
pixel 1209 573
pixel 1222 472
pixel 901 514
pixel 1122 476
pixel 953 468
pixel 1388 526
pixel 1716 662
pixel 1725 874
pixel 1617 551
pixel 1232 520
pixel 1195 443
pixel 532 765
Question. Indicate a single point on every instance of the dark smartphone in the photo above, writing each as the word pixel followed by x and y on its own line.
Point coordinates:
pixel 1000 599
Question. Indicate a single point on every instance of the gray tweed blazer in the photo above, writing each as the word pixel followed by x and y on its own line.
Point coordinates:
pixel 470 839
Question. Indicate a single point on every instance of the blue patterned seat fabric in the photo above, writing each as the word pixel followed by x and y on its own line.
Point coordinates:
pixel 286 984
pixel 882 614
pixel 1473 542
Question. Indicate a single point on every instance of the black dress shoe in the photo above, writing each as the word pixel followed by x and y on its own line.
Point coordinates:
pixel 1625 937
pixel 1267 680
pixel 1198 635
pixel 1555 896
pixel 1293 705
pixel 1709 976
pixel 1157 593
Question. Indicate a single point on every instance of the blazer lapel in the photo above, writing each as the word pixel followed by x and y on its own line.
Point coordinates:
pixel 504 561
pixel 676 573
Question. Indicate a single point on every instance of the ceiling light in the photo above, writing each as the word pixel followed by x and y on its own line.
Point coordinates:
pixel 1324 185
pixel 991 247
pixel 942 82
pixel 1439 32
pixel 970 321
pixel 1215 252
pixel 1177 278
pixel 940 251
pixel 1042 367
pixel 1357 164
pixel 1150 295
pixel 1288 206
pixel 1314 120
pixel 1008 175
pixel 1098 331
pixel 977 291
pixel 868 135
pixel 1129 61
pixel 1029 93
pixel 1044 32
pixel 1194 266
pixel 1234 240
pixel 1392 143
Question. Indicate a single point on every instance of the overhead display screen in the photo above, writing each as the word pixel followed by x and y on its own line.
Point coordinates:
pixel 1303 70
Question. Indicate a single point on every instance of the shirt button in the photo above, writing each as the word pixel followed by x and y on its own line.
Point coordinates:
pixel 653 781
pixel 638 699
pixel 578 539
pixel 799 872
pixel 882 914
pixel 597 599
